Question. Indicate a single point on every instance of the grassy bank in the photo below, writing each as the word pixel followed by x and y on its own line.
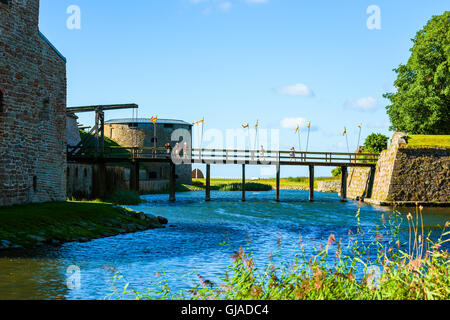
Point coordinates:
pixel 429 141
pixel 59 222
pixel 258 185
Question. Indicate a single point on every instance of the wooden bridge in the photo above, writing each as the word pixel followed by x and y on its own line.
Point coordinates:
pixel 209 157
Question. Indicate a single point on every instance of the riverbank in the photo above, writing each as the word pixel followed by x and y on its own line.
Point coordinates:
pixel 301 184
pixel 55 223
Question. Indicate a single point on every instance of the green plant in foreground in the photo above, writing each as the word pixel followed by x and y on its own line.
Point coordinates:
pixel 421 272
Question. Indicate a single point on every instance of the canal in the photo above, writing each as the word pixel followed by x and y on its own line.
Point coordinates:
pixel 191 245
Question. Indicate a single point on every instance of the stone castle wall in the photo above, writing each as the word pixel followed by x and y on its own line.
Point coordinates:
pixel 32 111
pixel 141 136
pixel 405 175
pixel 419 175
pixel 358 183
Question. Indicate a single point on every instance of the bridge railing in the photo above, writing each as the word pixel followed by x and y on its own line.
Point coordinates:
pixel 224 156
pixel 273 157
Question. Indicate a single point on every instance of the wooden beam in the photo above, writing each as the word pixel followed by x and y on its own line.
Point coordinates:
pixel 173 182
pixel 208 182
pixel 344 184
pixel 243 182
pixel 101 107
pixel 278 182
pixel 311 183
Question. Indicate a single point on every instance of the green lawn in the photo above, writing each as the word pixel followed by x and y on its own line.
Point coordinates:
pixel 429 141
pixel 287 182
pixel 58 222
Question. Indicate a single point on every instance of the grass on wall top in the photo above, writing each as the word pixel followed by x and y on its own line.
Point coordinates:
pixel 429 141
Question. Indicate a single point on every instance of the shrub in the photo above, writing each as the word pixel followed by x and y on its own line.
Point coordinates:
pixel 124 197
pixel 376 143
pixel 336 172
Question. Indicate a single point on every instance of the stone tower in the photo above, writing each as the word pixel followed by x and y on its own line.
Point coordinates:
pixel 32 108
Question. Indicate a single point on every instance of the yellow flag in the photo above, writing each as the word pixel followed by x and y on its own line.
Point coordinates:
pixel 245 126
pixel 257 124
pixel 154 119
pixel 360 126
pixel 298 127
pixel 309 125
pixel 345 132
pixel 198 122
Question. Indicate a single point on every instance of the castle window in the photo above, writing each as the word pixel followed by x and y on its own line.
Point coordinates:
pixel 34 183
pixel 152 175
pixel 4 1
pixel 1 101
pixel 45 112
pixel 154 140
pixel 168 126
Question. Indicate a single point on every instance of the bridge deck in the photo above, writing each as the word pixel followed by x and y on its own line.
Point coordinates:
pixel 229 157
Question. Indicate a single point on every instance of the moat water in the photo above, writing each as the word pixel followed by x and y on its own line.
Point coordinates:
pixel 190 245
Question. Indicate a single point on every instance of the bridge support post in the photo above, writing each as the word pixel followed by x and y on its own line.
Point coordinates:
pixel 173 182
pixel 311 183
pixel 243 182
pixel 278 182
pixel 370 182
pixel 208 182
pixel 344 184
pixel 134 176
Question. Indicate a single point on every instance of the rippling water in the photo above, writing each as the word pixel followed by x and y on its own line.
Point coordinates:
pixel 190 245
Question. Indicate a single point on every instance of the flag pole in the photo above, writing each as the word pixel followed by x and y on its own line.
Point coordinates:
pixel 307 141
pixel 359 137
pixel 256 133
pixel 346 138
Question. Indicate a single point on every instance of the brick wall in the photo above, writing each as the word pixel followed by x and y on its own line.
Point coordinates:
pixel 32 120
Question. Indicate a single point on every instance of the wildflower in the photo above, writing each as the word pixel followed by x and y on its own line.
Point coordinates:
pixel 409 216
pixel 379 237
pixel 270 256
pixel 447 224
pixel 382 218
pixel 331 239
pixel 157 274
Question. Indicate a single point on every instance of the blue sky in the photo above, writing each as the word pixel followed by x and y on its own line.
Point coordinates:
pixel 236 61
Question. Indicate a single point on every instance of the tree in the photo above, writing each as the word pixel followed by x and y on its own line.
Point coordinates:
pixel 336 172
pixel 376 142
pixel 421 104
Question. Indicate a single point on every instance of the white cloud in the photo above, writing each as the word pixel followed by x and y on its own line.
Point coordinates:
pixel 363 104
pixel 298 89
pixel 225 6
pixel 292 123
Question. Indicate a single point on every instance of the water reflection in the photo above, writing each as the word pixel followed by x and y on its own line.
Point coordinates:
pixel 191 245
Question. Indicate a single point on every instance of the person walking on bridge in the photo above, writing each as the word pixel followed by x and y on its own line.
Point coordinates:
pixel 262 154
pixel 292 155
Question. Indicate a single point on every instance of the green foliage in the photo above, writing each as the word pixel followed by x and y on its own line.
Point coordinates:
pixel 124 197
pixel 249 186
pixel 112 148
pixel 336 172
pixel 376 143
pixel 421 104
